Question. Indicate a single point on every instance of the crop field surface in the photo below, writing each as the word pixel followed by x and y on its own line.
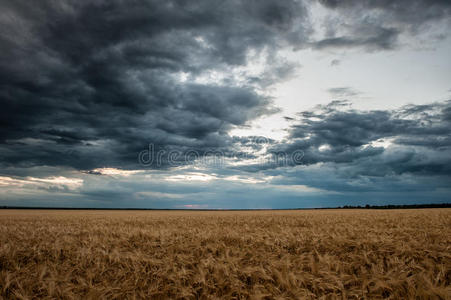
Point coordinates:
pixel 299 254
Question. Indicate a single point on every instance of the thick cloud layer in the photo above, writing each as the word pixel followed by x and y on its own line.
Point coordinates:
pixel 350 157
pixel 90 84
pixel 86 86
pixel 380 150
pixel 379 25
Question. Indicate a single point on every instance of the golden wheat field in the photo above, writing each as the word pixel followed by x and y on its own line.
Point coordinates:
pixel 326 254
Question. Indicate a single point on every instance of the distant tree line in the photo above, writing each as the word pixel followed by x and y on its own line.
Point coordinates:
pixel 391 206
pixel 367 206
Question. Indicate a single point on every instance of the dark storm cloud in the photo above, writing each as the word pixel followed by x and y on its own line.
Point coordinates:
pixel 91 83
pixel 415 13
pixel 377 25
pixel 417 139
pixel 378 38
pixel 380 155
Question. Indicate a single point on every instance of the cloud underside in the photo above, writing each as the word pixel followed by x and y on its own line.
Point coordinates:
pixel 88 85
pixel 348 156
pixel 350 150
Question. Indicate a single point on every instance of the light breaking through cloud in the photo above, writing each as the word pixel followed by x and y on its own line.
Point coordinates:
pixel 245 104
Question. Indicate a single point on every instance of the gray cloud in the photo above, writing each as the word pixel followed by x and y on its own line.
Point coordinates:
pixel 85 85
pixel 91 84
pixel 343 92
pixel 378 38
pixel 413 13
pixel 377 25
pixel 415 139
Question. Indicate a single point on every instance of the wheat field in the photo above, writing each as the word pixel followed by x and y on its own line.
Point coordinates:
pixel 309 254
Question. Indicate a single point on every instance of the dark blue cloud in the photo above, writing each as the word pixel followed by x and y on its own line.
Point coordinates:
pixel 89 85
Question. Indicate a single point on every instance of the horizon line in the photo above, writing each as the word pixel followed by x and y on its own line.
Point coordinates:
pixel 367 206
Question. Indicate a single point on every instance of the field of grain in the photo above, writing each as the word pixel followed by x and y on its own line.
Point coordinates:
pixel 328 254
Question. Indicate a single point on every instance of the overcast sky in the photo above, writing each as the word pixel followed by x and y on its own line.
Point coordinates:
pixel 225 104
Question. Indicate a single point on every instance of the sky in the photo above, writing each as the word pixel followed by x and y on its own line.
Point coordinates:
pixel 214 104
